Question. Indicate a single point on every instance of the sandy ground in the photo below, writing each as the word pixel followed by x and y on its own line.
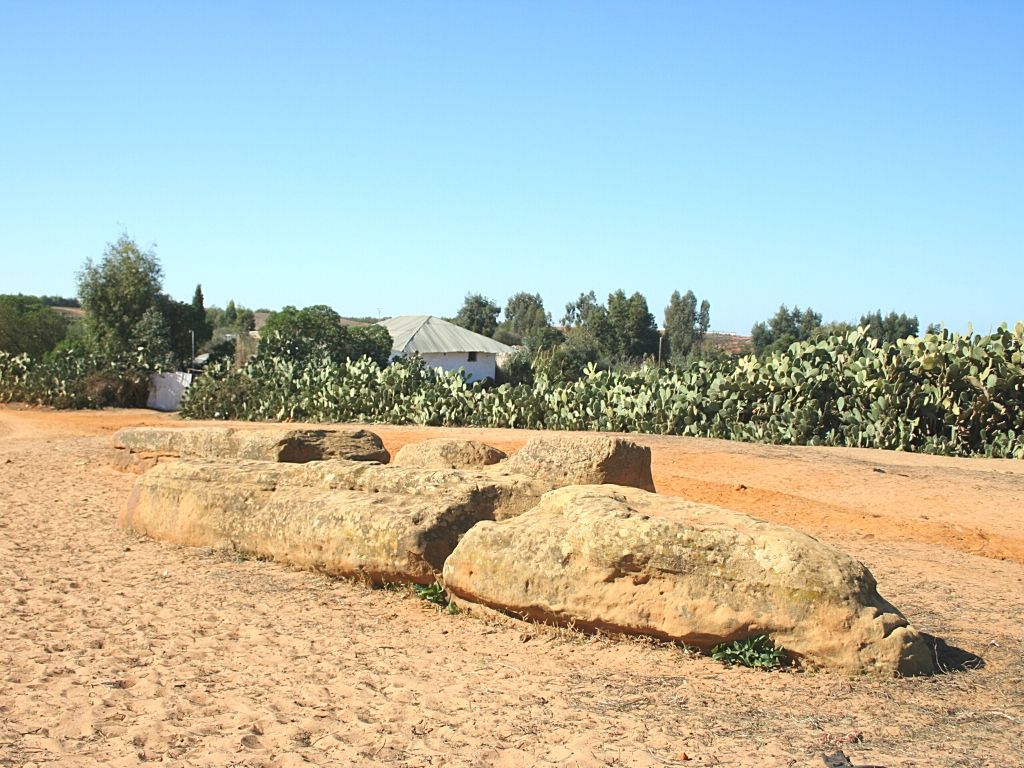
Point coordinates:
pixel 116 650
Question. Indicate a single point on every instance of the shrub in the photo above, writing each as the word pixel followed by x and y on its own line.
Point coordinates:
pixel 74 377
pixel 949 394
pixel 757 652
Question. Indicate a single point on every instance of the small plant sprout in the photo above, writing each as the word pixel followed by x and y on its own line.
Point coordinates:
pixel 756 652
pixel 437 595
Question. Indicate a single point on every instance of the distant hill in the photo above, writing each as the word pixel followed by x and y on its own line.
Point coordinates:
pixel 261 319
pixel 71 314
pixel 730 343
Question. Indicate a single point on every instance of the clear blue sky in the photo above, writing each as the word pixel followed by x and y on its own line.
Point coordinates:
pixel 391 157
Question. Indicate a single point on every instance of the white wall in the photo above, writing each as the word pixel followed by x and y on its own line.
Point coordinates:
pixel 166 390
pixel 483 368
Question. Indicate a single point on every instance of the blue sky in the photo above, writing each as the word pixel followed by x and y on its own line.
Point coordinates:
pixel 391 157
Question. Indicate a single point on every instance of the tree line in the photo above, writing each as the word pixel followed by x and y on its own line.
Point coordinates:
pixel 616 332
pixel 791 325
pixel 126 312
pixel 622 331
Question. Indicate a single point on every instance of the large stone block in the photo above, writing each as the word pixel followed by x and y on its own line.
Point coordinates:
pixel 292 515
pixel 583 460
pixel 624 560
pixel 444 453
pixel 273 443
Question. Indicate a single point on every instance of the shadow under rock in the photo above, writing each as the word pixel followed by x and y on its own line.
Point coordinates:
pixel 949 658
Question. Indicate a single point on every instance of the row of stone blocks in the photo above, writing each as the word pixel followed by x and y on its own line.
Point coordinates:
pixel 567 531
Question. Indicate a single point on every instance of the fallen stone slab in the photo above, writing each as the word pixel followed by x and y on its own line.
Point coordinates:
pixel 274 511
pixel 445 453
pixel 274 443
pixel 583 460
pixel 621 559
pixel 504 495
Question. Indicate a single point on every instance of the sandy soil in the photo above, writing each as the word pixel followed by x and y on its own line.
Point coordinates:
pixel 118 651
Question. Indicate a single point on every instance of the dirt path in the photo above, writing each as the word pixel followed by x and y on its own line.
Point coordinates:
pixel 120 651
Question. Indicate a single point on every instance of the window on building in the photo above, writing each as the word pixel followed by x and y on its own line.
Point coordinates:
pixel 471 357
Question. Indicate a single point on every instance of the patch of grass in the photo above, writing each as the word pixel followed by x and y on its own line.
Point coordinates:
pixel 437 595
pixel 432 594
pixel 757 652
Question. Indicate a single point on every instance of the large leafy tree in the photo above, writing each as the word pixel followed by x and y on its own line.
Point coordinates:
pixel 587 321
pixel 528 323
pixel 685 325
pixel 126 309
pixel 28 325
pixel 784 328
pixel 117 291
pixel 372 341
pixel 306 335
pixel 633 330
pixel 478 314
pixel 581 312
pixel 525 314
pixel 622 330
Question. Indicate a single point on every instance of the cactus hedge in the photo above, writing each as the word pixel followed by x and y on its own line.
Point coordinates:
pixel 943 393
pixel 953 394
pixel 74 378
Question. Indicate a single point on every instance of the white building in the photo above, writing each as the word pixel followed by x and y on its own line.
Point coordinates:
pixel 445 345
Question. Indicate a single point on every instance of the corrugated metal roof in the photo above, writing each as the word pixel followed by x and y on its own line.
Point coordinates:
pixel 427 334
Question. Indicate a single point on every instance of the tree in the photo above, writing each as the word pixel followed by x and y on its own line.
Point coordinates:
pixel 633 330
pixel 891 327
pixel 126 311
pixel 685 325
pixel 784 328
pixel 308 334
pixel 478 314
pixel 835 328
pixel 372 341
pixel 29 326
pixel 187 326
pixel 577 312
pixel 152 335
pixel 315 328
pixel 544 337
pixel 231 320
pixel 117 292
pixel 245 320
pixel 525 314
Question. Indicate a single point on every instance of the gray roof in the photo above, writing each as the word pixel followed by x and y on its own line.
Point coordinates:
pixel 427 335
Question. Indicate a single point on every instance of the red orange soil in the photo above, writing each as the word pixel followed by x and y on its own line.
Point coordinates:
pixel 118 651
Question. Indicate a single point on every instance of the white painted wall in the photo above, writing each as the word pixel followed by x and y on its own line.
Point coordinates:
pixel 166 390
pixel 483 368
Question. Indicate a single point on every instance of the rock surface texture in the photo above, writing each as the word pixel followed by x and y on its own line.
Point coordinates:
pixel 447 454
pixel 584 460
pixel 282 512
pixel 283 444
pixel 629 561
pixel 585 554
